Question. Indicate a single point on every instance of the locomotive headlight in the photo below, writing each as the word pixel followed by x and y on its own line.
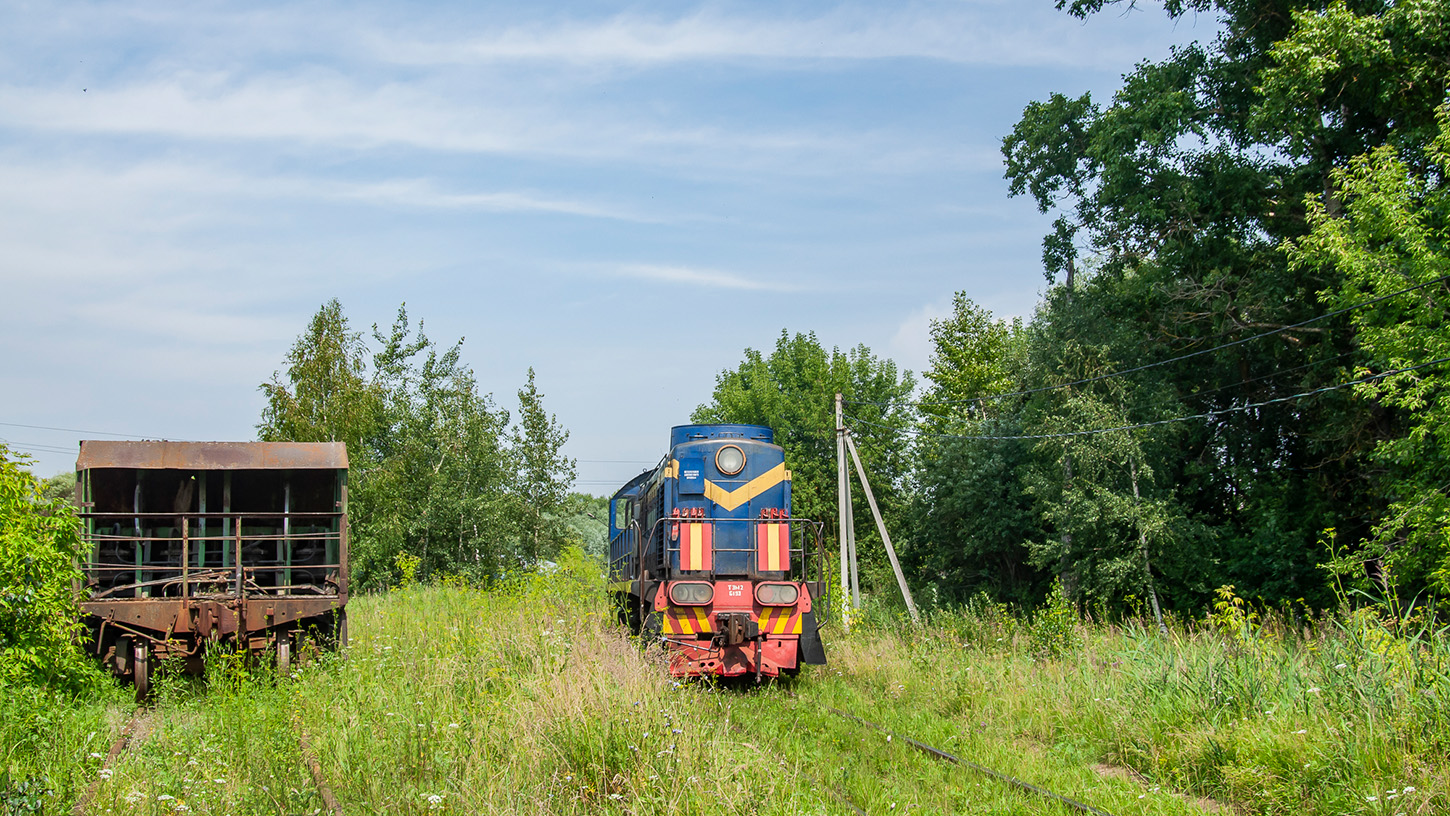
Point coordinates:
pixel 730 460
pixel 777 594
pixel 692 593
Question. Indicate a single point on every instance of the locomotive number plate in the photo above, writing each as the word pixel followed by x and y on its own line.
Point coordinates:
pixel 735 590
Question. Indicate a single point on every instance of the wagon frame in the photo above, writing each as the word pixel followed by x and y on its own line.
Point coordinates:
pixel 191 543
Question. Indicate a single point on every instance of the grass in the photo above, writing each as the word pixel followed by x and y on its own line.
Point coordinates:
pixel 528 699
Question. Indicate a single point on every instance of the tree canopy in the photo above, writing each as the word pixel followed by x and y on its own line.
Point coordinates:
pixel 1231 231
pixel 437 472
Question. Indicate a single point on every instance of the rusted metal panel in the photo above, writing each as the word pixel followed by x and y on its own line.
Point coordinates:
pixel 161 618
pixel 211 455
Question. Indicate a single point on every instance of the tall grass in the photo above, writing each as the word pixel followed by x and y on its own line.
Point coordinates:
pixel 1346 714
pixel 527 698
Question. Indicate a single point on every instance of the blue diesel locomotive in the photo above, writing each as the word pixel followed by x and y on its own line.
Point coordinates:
pixel 705 556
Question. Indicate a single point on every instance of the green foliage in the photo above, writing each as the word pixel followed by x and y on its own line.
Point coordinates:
pixel 61 487
pixel 1392 234
pixel 971 513
pixel 325 396
pixel 1173 200
pixel 587 520
pixel 543 477
pixel 1053 631
pixel 435 472
pixel 407 566
pixel 24 797
pixel 39 544
pixel 793 391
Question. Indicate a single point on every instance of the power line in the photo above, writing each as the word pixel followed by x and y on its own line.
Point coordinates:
pixel 1181 357
pixel 36 447
pixel 1281 372
pixel 1204 415
pixel 79 431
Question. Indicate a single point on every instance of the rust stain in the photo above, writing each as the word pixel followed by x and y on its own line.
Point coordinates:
pixel 211 455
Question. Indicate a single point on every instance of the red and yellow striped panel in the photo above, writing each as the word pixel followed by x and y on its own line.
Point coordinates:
pixel 686 620
pixel 772 547
pixel 782 620
pixel 695 552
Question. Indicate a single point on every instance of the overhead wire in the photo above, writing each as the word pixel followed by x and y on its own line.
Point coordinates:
pixel 1146 366
pixel 1155 423
pixel 79 431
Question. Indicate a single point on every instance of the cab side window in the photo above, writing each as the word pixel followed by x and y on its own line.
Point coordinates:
pixel 621 514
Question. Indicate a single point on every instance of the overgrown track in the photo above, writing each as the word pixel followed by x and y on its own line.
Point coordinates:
pixel 123 741
pixel 117 747
pixel 937 753
pixel 309 758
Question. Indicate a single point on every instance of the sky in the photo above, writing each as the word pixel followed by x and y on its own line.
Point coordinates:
pixel 622 196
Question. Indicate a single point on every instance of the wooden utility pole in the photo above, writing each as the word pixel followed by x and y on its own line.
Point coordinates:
pixel 843 505
pixel 1143 544
pixel 881 527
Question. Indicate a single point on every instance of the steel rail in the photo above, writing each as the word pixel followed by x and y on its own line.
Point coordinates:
pixel 123 741
pixel 309 758
pixel 982 769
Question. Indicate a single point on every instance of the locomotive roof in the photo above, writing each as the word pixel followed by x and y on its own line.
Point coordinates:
pixel 212 455
pixel 680 434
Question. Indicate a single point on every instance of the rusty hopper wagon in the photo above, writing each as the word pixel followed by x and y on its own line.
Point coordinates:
pixel 201 542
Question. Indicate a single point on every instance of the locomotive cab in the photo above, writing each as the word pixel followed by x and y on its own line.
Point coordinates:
pixel 706 557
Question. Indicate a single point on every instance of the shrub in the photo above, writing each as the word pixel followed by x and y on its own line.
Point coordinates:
pixel 39 542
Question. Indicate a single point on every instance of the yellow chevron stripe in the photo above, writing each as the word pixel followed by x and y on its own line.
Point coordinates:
pixel 731 499
pixel 765 619
pixel 701 620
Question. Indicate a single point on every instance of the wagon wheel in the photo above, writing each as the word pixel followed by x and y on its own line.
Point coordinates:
pixel 141 668
pixel 284 654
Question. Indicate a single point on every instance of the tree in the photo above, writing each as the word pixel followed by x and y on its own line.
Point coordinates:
pixel 40 543
pixel 1173 201
pixel 972 516
pixel 429 466
pixel 1389 231
pixel 326 396
pixel 793 391
pixel 544 474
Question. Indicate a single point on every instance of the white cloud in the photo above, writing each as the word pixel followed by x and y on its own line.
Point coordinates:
pixel 911 345
pixel 322 110
pixel 1001 34
pixel 692 276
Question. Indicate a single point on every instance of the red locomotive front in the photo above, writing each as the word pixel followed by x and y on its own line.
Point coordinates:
pixel 706 558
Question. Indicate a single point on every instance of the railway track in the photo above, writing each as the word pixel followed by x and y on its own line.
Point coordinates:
pixel 128 732
pixel 938 754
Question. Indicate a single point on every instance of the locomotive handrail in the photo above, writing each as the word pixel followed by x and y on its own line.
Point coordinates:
pixel 805 549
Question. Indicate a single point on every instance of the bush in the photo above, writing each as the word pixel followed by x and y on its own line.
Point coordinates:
pixel 39 543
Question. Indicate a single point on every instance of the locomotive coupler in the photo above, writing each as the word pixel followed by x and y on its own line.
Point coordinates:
pixel 735 628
